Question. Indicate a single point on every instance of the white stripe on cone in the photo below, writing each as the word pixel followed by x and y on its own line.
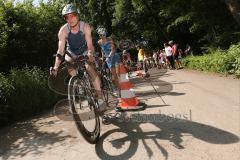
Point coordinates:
pixel 124 77
pixel 127 93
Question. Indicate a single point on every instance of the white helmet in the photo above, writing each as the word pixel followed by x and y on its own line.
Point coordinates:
pixel 102 31
pixel 171 42
pixel 69 8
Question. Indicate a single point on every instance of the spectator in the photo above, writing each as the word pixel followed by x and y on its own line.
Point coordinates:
pixel 168 51
pixel 180 53
pixel 188 50
pixel 141 60
pixel 174 52
pixel 155 58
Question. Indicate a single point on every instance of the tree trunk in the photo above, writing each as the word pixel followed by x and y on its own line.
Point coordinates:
pixel 234 7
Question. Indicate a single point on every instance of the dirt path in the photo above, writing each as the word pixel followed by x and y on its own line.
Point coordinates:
pixel 190 115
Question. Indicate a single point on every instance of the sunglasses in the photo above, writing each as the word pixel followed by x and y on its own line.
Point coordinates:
pixel 66 17
pixel 101 35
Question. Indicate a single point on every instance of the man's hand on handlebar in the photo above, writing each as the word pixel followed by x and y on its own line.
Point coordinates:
pixel 53 72
pixel 91 56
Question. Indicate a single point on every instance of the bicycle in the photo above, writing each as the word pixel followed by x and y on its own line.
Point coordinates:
pixel 82 99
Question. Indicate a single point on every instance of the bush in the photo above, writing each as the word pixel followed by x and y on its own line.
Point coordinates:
pixel 220 61
pixel 6 89
pixel 24 92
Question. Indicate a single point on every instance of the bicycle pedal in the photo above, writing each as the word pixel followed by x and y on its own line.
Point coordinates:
pixel 106 120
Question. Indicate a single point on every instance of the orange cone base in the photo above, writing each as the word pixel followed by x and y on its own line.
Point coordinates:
pixel 128 102
pixel 140 106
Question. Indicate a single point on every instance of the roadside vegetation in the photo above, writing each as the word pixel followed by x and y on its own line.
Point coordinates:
pixel 217 60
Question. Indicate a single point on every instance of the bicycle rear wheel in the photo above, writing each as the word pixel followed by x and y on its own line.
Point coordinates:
pixel 83 107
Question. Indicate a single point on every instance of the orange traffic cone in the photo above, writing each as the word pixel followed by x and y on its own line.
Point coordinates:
pixel 128 101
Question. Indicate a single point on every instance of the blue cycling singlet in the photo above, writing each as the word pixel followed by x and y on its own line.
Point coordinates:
pixel 76 42
pixel 106 48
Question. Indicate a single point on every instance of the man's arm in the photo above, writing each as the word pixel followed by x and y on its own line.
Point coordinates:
pixel 61 47
pixel 88 37
pixel 113 48
pixel 99 48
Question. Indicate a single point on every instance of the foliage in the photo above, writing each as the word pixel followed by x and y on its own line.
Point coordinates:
pixel 217 60
pixel 6 89
pixel 24 92
pixel 29 33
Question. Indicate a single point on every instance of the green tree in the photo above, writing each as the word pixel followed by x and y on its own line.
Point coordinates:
pixel 234 7
pixel 30 33
pixel 3 33
pixel 101 13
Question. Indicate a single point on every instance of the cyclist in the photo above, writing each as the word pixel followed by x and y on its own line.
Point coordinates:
pixel 76 35
pixel 109 53
pixel 127 61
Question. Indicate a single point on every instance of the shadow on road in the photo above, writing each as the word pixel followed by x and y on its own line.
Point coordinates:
pixel 26 137
pixel 169 128
pixel 153 87
pixel 155 106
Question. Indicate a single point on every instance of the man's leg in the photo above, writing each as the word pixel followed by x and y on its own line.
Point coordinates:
pixel 145 68
pixel 97 86
pixel 72 72
pixel 176 62
pixel 117 67
pixel 170 59
pixel 115 76
pixel 95 79
pixel 114 67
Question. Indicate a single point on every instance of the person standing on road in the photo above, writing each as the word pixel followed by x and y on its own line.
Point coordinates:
pixel 169 54
pixel 175 53
pixel 141 60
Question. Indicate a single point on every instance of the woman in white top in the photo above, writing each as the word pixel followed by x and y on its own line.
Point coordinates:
pixel 168 51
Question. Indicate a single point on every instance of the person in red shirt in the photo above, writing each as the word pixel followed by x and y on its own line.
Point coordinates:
pixel 175 53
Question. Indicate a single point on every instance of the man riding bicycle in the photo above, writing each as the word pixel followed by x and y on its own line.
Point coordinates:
pixel 108 49
pixel 77 37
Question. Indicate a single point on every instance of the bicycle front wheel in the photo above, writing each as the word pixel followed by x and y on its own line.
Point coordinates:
pixel 83 108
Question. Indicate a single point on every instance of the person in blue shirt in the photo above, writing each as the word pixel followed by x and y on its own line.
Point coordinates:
pixel 109 53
